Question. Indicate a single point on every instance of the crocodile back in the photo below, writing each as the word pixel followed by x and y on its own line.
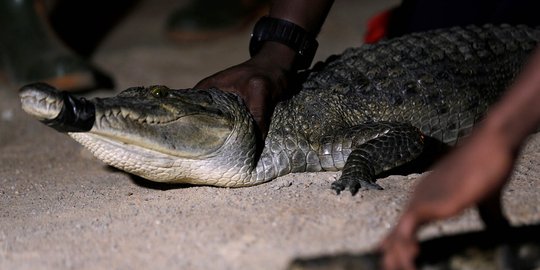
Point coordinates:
pixel 440 81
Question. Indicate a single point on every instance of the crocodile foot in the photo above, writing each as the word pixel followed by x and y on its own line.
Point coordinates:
pixel 353 184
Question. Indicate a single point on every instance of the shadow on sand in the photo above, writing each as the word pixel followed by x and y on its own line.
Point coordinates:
pixel 512 248
pixel 141 182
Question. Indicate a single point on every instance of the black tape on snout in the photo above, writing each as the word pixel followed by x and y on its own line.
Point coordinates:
pixel 77 115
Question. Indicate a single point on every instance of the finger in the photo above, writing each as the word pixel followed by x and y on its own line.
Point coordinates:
pixel 399 251
pixel 259 102
pixel 389 259
pixel 258 110
pixel 262 127
pixel 406 257
pixel 398 257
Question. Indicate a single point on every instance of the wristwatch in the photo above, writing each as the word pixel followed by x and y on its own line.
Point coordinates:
pixel 287 33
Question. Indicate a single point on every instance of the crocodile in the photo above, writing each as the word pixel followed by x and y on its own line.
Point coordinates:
pixel 365 111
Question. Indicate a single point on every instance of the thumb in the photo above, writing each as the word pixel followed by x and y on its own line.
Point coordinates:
pixel 261 119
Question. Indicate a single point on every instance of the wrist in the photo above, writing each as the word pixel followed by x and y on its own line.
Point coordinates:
pixel 277 55
pixel 502 130
pixel 269 32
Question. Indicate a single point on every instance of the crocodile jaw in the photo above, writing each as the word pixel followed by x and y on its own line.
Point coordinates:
pixel 140 161
pixel 218 170
pixel 131 158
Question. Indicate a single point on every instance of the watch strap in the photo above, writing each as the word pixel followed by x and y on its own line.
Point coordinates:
pixel 290 34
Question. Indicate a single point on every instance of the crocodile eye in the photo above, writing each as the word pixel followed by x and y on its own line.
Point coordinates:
pixel 159 91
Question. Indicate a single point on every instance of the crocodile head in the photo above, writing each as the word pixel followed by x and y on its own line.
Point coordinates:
pixel 164 135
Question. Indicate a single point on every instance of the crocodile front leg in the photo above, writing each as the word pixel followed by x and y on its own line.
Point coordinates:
pixel 369 149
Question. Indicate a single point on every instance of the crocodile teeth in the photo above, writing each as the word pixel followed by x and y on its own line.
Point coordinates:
pixel 41 101
pixel 56 109
pixel 125 113
pixel 115 112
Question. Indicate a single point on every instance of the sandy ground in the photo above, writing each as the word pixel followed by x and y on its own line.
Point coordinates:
pixel 62 209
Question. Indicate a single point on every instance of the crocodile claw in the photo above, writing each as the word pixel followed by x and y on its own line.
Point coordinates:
pixel 354 185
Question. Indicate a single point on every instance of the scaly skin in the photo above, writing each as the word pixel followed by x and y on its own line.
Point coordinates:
pixel 363 112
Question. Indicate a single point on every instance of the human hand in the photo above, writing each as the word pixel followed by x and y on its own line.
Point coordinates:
pixel 261 82
pixel 471 175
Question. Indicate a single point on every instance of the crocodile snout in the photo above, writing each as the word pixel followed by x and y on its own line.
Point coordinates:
pixel 56 109
pixel 41 101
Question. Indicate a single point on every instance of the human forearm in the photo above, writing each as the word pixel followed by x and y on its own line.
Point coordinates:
pixel 518 113
pixel 309 15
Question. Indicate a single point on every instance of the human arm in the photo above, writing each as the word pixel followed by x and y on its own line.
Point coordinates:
pixel 475 172
pixel 262 80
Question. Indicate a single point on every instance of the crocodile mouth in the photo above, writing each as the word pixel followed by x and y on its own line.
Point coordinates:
pixel 189 136
pixel 173 127
pixel 137 160
pixel 97 144
pixel 132 115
